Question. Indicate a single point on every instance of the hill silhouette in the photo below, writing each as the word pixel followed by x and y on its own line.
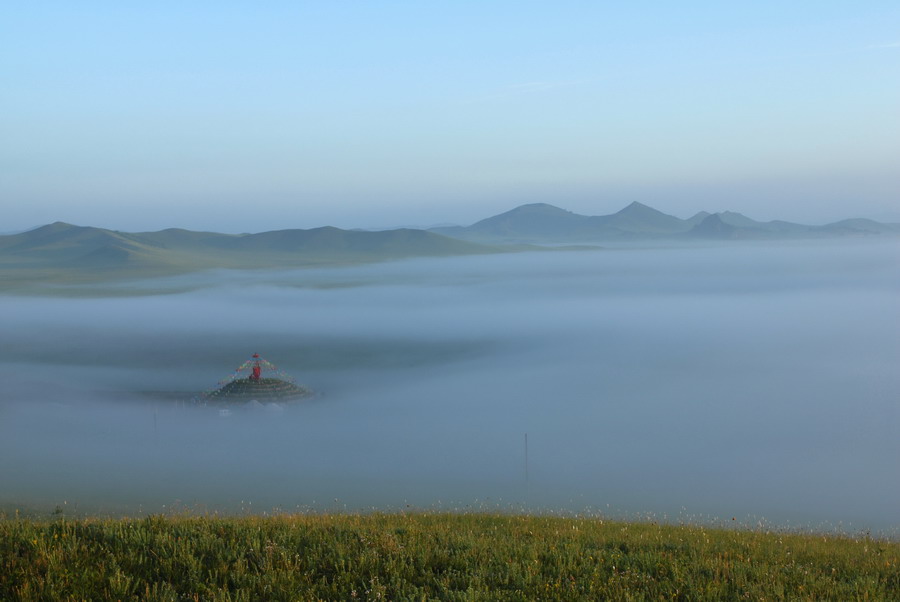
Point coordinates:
pixel 526 221
pixel 543 223
pixel 65 253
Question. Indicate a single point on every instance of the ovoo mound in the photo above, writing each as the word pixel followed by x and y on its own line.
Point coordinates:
pixel 263 382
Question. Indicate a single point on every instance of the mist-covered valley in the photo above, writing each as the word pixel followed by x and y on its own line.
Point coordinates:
pixel 700 382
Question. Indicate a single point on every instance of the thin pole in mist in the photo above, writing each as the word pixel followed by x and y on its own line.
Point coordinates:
pixel 526 469
pixel 526 459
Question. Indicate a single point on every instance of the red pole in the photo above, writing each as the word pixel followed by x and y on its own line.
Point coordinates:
pixel 257 370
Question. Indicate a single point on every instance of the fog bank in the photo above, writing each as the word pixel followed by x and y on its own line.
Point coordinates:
pixel 746 381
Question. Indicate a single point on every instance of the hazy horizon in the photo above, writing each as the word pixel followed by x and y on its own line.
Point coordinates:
pixel 885 219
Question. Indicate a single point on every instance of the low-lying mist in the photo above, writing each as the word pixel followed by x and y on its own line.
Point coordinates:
pixel 746 381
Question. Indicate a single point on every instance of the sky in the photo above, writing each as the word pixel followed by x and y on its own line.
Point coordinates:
pixel 245 117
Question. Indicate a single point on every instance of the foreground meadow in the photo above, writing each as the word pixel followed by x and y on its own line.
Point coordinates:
pixel 423 556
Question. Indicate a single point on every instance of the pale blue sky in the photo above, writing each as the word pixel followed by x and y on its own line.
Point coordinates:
pixel 254 116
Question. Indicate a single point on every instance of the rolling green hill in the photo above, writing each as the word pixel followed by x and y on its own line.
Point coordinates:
pixel 63 253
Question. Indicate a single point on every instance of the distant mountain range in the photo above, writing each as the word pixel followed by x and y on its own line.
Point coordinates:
pixel 62 252
pixel 543 223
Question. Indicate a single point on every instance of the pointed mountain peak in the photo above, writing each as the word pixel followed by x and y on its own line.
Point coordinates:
pixel 639 209
pixel 637 217
pixel 635 206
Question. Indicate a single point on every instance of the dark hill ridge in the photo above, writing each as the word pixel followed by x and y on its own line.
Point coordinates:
pixel 536 218
pixel 860 226
pixel 540 222
pixel 543 223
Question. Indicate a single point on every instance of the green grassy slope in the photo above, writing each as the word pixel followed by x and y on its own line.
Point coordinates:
pixel 431 557
pixel 63 253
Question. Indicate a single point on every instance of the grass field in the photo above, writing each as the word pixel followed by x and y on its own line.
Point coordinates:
pixel 425 556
